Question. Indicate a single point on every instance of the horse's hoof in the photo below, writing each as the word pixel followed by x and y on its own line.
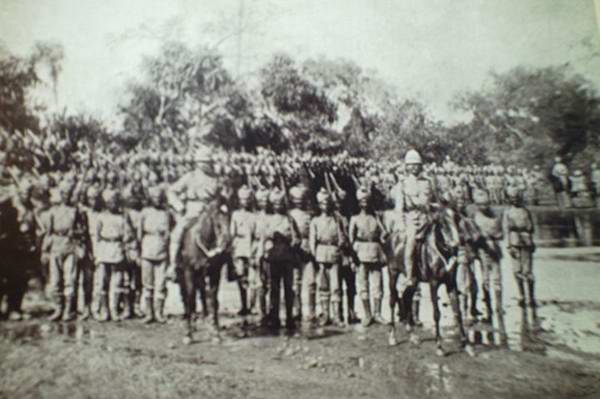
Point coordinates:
pixel 392 341
pixel 187 340
pixel 439 352
pixel 470 350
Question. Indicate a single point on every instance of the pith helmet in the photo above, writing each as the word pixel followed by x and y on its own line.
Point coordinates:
pixel 413 157
pixel 323 197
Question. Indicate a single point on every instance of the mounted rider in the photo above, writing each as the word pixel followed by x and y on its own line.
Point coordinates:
pixel 199 186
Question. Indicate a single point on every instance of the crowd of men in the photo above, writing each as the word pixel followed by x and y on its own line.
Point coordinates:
pixel 110 224
pixel 111 227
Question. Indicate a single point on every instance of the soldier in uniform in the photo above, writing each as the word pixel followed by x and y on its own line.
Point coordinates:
pixel 560 177
pixel 306 266
pixel 133 211
pixel 581 196
pixel 367 237
pixel 517 225
pixel 261 280
pixel 200 187
pixel 114 235
pixel 243 233
pixel 89 211
pixel 23 250
pixel 489 254
pixel 153 231
pixel 325 240
pixel 63 223
pixel 347 260
pixel 276 247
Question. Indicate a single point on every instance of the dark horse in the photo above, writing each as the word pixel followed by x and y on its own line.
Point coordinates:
pixel 435 264
pixel 204 251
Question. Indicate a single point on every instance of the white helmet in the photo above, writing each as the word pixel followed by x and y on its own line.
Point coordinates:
pixel 413 157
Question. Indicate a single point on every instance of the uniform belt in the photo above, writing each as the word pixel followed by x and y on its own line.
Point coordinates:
pixel 154 233
pixel 62 233
pixel 332 242
pixel 110 239
pixel 365 240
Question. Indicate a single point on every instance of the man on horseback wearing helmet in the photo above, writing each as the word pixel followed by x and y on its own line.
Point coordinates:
pixel 200 186
pixel 417 201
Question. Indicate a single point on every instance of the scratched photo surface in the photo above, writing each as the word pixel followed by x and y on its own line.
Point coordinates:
pixel 299 198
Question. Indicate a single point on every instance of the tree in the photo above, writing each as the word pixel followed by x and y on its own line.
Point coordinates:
pixel 181 96
pixel 529 115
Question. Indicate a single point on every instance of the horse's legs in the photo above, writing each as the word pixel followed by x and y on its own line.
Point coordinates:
pixel 433 289
pixel 407 299
pixel 394 299
pixel 186 286
pixel 201 284
pixel 453 295
pixel 214 278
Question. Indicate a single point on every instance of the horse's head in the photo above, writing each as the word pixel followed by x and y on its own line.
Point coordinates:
pixel 446 229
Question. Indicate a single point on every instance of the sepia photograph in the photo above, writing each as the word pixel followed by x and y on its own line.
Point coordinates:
pixel 300 199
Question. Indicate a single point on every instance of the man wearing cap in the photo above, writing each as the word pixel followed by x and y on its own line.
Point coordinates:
pixel 64 222
pixel 560 178
pixel 153 232
pixel 581 196
pixel 416 202
pixel 276 247
pixel 132 202
pixel 489 223
pixel 89 210
pixel 347 258
pixel 306 267
pixel 367 237
pixel 114 235
pixel 243 233
pixel 261 279
pixel 517 225
pixel 200 187
pixel 325 240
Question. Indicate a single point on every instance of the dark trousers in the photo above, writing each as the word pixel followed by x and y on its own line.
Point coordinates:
pixel 14 279
pixel 281 273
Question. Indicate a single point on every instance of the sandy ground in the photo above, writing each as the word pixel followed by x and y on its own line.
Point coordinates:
pixel 560 359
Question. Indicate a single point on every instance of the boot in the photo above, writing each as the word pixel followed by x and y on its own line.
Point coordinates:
pixel 149 317
pixel 298 306
pixel 244 301
pixel 352 318
pixel 128 310
pixel 368 318
pixel 312 307
pixel 531 289
pixel 521 287
pixel 69 312
pixel 337 320
pixel 326 312
pixel 137 304
pixel 114 307
pixel 415 311
pixel 58 308
pixel 488 305
pixel 87 312
pixel 160 308
pixel 103 314
pixel 377 317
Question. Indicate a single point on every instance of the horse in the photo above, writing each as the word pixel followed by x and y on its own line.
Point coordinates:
pixel 205 249
pixel 435 264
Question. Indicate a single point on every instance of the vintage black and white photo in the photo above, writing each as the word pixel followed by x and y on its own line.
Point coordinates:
pixel 300 198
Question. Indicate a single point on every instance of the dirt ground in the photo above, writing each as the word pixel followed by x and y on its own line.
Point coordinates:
pixel 560 358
